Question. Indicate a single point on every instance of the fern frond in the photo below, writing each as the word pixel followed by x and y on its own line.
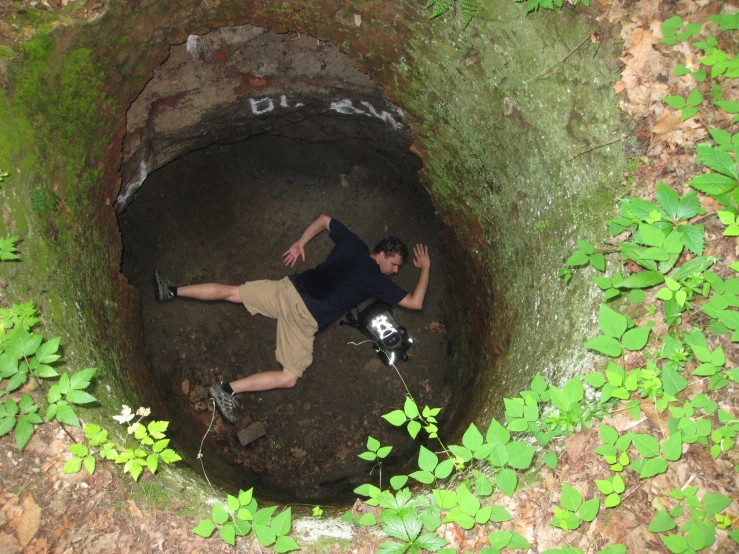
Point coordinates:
pixel 38 201
pixel 42 202
pixel 469 9
pixel 440 8
pixel 8 248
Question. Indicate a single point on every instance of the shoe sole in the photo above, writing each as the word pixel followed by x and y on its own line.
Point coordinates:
pixel 160 284
pixel 214 395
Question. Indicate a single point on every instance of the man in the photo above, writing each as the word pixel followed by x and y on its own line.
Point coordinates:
pixel 308 302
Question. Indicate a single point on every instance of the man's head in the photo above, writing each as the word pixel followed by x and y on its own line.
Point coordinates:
pixel 390 253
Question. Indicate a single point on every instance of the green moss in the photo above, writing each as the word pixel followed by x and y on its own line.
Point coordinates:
pixel 63 98
pixel 326 544
pixel 40 20
pixel 49 128
pixel 499 140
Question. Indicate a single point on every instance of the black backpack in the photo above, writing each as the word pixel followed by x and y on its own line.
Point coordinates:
pixel 377 323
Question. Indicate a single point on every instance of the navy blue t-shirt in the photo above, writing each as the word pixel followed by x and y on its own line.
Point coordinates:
pixel 344 279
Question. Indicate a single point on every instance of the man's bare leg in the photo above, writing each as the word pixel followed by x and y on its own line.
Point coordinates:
pixel 210 291
pixel 224 393
pixel 265 380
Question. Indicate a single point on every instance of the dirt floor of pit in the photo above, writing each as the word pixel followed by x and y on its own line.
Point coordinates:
pixel 226 214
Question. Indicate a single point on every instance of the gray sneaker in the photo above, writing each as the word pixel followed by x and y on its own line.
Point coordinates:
pixel 225 401
pixel 163 289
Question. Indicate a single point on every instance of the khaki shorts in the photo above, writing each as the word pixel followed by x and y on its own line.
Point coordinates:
pixel 296 326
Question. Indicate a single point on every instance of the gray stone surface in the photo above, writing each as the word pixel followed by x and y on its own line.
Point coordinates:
pixel 252 433
pixel 241 81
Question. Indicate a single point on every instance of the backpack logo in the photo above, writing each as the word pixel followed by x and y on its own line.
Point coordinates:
pixel 378 324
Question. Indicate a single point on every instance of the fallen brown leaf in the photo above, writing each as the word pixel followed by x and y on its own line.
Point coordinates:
pixel 30 520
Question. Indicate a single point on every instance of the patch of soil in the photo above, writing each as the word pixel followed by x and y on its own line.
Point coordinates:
pixel 42 510
pixel 226 214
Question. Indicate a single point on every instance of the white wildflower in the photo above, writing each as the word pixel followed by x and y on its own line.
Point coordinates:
pixel 125 416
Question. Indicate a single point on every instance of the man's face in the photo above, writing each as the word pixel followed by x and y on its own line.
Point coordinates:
pixel 389 265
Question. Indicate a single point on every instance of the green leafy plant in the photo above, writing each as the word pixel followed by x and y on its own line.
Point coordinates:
pixel 700 517
pixel 724 437
pixel 375 451
pixel 430 468
pixel 612 488
pixel 465 509
pixel 564 410
pixel 659 233
pixel 414 419
pixel 574 510
pixel 535 5
pixel 725 21
pixel 614 448
pixel 610 287
pixel 505 539
pixel 721 185
pixel 403 517
pixel 20 416
pixel 725 140
pixel 149 450
pixel 619 333
pixel 688 106
pixel 720 62
pixel 731 220
pixel 18 316
pixel 712 361
pixel 674 30
pixel 700 75
pixel 242 515
pixel 586 254
pixel 67 392
pixel 25 355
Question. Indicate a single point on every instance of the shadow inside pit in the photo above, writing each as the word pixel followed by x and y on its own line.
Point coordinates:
pixel 226 214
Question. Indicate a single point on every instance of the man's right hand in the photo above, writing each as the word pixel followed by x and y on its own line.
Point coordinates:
pixel 297 250
pixel 291 256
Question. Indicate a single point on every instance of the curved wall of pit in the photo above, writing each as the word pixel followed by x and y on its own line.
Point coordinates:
pixel 503 131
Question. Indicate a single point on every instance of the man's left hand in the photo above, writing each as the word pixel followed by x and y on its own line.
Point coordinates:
pixel 421 256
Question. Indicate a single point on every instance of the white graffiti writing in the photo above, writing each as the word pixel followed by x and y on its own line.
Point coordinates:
pixel 129 190
pixel 283 102
pixel 383 326
pixel 346 106
pixel 256 110
pixel 260 106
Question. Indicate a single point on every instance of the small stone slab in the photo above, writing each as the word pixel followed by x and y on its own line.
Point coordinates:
pixel 252 433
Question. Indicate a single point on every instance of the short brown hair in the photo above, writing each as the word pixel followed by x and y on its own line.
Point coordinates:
pixel 392 246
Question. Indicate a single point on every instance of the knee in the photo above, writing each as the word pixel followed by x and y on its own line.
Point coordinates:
pixel 289 379
pixel 234 295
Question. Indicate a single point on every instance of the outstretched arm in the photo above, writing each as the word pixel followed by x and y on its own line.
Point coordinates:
pixel 297 250
pixel 422 261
